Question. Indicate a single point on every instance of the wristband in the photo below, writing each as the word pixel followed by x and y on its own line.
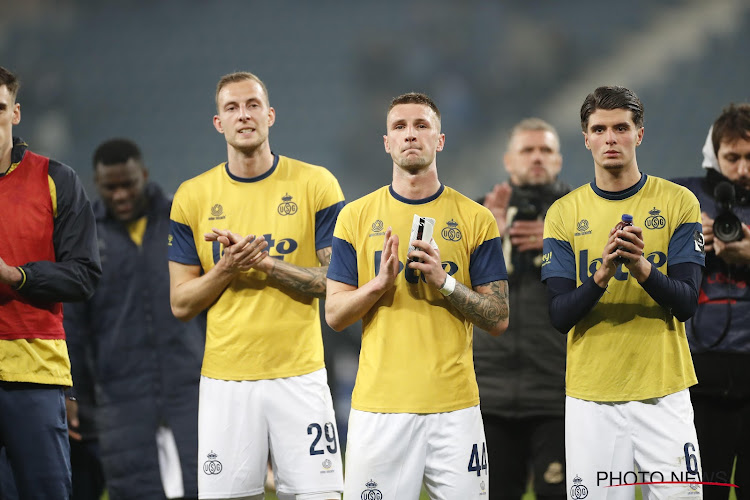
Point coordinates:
pixel 21 282
pixel 448 286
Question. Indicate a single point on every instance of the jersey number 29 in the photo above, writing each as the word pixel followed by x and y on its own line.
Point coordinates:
pixel 329 431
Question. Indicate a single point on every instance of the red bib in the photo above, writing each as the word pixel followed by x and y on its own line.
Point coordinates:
pixel 26 229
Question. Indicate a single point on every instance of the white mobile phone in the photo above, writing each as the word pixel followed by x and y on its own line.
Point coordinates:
pixel 421 229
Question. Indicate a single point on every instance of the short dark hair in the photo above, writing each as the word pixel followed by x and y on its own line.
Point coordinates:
pixel 414 98
pixel 613 97
pixel 732 124
pixel 240 76
pixel 9 80
pixel 116 151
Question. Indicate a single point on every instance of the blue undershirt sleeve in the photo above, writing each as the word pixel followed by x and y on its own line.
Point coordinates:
pixel 677 292
pixel 568 304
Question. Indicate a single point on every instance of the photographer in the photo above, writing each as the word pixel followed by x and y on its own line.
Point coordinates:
pixel 719 332
pixel 521 374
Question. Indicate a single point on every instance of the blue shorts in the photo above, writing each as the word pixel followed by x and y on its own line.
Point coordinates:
pixel 34 436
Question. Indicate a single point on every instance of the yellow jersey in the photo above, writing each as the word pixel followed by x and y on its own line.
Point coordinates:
pixel 257 329
pixel 628 347
pixel 416 354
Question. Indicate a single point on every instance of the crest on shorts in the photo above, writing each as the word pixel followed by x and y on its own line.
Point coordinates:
pixel 371 493
pixel 212 466
pixel 578 491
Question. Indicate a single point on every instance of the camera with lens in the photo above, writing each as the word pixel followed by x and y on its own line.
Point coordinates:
pixel 727 226
pixel 528 202
pixel 527 210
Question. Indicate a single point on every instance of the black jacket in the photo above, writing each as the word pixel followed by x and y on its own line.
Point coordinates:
pixel 145 364
pixel 719 332
pixel 521 373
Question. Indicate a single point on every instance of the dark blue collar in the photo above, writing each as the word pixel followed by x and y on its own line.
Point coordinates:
pixel 620 195
pixel 253 179
pixel 416 202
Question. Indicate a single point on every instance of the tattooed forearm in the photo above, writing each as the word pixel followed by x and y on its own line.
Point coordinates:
pixel 486 309
pixel 306 280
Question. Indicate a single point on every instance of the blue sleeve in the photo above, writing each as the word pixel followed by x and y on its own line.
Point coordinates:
pixel 77 268
pixel 325 221
pixel 568 304
pixel 558 260
pixel 343 266
pixel 677 292
pixel 686 245
pixel 182 245
pixel 487 263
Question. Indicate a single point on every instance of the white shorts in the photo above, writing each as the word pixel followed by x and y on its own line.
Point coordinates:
pixel 389 455
pixel 240 421
pixel 611 446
